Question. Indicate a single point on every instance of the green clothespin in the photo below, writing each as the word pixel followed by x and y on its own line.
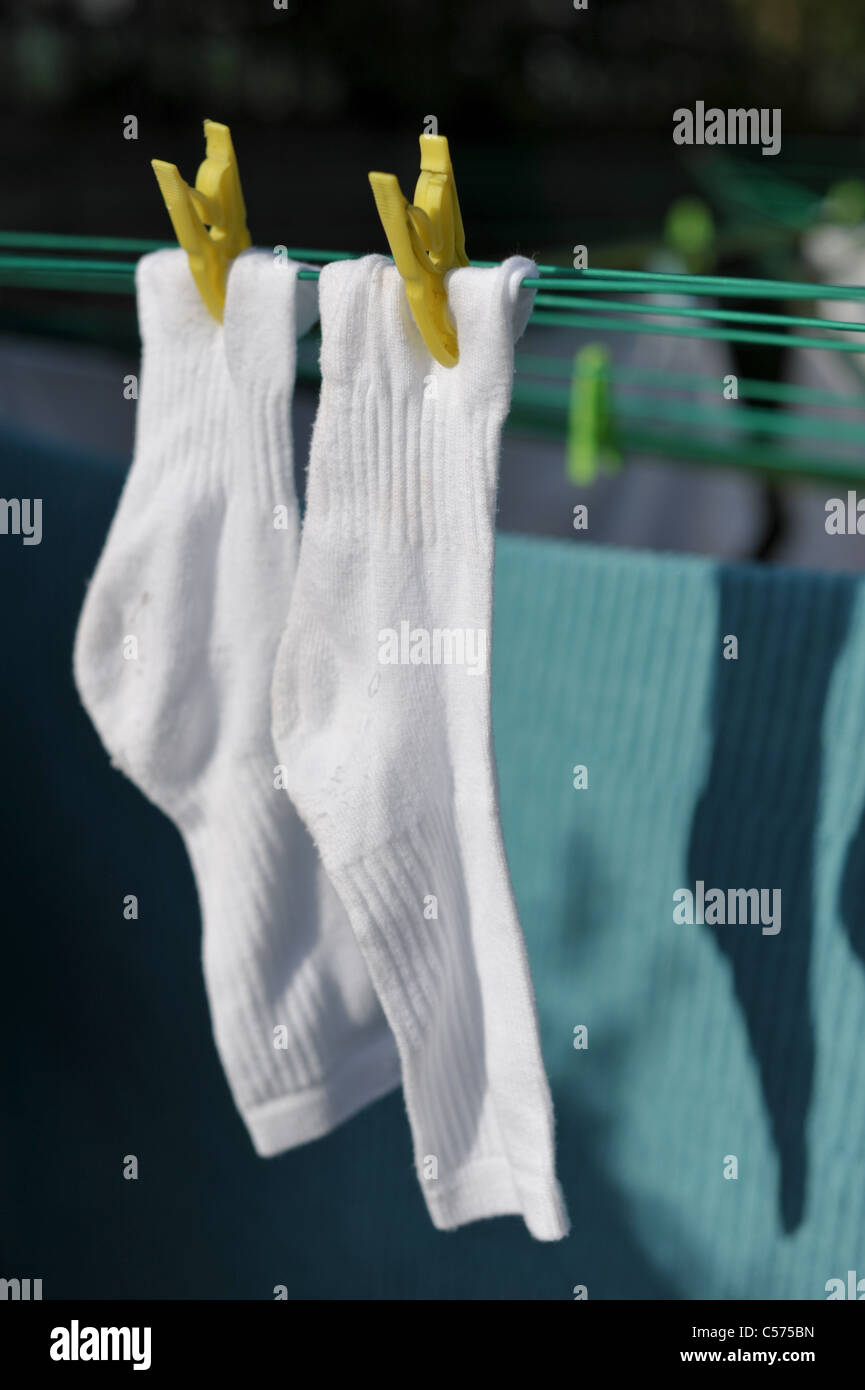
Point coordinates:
pixel 591 435
pixel 689 232
pixel 845 202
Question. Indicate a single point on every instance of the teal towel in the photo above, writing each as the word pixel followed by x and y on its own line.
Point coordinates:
pixel 705 1042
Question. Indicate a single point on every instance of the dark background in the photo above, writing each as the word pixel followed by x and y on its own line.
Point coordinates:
pixel 560 128
pixel 559 120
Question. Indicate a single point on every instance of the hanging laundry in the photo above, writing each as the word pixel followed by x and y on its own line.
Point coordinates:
pixel 391 765
pixel 173 661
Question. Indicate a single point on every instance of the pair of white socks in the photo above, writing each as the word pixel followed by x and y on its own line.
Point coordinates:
pixel 314 714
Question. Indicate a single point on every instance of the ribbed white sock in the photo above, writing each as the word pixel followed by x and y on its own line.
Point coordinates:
pixel 173 660
pixel 391 765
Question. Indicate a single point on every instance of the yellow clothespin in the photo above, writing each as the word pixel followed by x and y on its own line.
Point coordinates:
pixel 426 240
pixel 209 220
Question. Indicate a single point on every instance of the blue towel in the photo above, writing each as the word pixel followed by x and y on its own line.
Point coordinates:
pixel 705 1042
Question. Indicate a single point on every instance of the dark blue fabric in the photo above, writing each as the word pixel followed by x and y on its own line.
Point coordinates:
pixel 701 1044
pixel 108 1049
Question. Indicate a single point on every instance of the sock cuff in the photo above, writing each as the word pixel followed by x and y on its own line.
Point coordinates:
pixel 488 1188
pixel 494 1151
pixel 183 412
pixel 267 308
pixel 216 397
pixel 405 450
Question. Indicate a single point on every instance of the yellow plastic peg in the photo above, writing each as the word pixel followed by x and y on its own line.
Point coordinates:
pixel 209 220
pixel 426 240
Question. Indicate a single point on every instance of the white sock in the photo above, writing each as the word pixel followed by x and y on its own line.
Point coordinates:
pixel 195 572
pixel 391 766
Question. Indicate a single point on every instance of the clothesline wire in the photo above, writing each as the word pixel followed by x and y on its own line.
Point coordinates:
pixel 558 310
pixel 549 404
pixel 566 299
pixel 661 379
pixel 550 276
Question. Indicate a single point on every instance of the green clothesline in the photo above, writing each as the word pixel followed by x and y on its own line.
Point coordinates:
pixel 662 380
pixel 18 269
pixel 117 277
pixel 573 320
pixel 721 418
pixel 729 434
